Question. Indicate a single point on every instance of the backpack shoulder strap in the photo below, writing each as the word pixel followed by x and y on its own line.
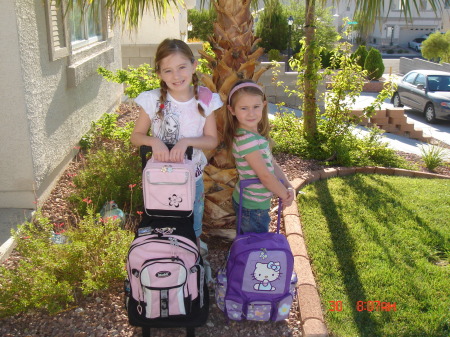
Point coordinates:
pixel 204 95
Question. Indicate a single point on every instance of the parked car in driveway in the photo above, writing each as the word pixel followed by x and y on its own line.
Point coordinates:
pixel 416 44
pixel 427 91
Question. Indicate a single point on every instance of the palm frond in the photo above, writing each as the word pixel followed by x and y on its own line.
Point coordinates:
pixel 128 12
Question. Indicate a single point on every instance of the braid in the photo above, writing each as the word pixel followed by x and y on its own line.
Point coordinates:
pixel 162 98
pixel 195 82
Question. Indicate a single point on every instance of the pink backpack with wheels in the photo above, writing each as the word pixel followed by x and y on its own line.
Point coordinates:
pixel 166 286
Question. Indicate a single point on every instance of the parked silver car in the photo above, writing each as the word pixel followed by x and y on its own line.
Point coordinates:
pixel 416 44
pixel 427 91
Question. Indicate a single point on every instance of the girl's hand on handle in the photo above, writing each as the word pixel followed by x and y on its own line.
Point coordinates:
pixel 160 150
pixel 178 151
pixel 290 198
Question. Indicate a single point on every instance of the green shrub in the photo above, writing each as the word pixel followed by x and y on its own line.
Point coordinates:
pixel 50 276
pixel 390 51
pixel 369 150
pixel 137 79
pixel 108 174
pixel 272 26
pixel 360 55
pixel 330 59
pixel 348 149
pixel 374 64
pixel 325 59
pixel 274 55
pixel 202 23
pixel 106 129
pixel 202 62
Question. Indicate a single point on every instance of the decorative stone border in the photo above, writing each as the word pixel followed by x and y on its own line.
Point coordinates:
pixel 310 307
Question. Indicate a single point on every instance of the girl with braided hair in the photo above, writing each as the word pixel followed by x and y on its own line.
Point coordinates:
pixel 175 114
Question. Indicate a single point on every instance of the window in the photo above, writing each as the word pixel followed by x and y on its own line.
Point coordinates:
pixel 76 29
pixel 85 28
pixel 410 78
pixel 420 79
pixel 83 39
pixel 423 5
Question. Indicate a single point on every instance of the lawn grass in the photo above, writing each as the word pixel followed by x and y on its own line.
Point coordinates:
pixel 380 238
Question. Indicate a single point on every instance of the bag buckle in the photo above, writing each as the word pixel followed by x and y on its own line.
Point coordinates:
pixel 167 168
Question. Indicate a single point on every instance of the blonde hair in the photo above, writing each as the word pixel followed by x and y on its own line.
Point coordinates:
pixel 231 123
pixel 167 48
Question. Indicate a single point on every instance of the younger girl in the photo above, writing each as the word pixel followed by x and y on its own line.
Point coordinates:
pixel 177 116
pixel 247 134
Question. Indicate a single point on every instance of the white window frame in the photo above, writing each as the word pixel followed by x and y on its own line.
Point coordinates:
pixel 86 39
pixel 58 32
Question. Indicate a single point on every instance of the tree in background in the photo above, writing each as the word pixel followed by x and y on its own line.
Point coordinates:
pixel 437 47
pixel 272 26
pixel 326 33
pixel 202 23
pixel 374 64
pixel 367 11
pixel 360 55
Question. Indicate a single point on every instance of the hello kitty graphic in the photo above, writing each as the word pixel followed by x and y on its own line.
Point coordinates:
pixel 266 273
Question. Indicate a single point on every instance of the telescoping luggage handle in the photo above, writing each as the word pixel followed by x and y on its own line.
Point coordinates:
pixel 242 185
pixel 144 149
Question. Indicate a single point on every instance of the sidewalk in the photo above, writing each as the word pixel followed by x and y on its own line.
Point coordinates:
pixel 9 219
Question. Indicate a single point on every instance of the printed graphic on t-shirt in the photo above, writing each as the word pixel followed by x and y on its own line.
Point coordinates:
pixel 169 130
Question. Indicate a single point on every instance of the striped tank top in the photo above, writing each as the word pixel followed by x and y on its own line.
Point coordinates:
pixel 256 196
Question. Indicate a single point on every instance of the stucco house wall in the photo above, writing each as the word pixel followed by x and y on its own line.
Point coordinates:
pixel 47 101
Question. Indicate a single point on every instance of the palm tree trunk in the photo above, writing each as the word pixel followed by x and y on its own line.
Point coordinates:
pixel 310 80
pixel 236 57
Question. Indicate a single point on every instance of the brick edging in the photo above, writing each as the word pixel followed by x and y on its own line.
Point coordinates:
pixel 310 308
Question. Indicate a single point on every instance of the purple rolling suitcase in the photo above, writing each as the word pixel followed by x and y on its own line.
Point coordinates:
pixel 258 282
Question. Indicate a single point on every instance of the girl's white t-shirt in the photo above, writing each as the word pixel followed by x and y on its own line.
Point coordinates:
pixel 180 120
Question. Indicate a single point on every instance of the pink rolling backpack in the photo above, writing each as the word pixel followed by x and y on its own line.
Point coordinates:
pixel 166 285
pixel 258 281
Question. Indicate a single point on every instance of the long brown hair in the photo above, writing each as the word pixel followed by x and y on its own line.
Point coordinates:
pixel 167 48
pixel 231 123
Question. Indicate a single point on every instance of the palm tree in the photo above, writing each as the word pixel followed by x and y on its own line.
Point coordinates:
pixel 236 57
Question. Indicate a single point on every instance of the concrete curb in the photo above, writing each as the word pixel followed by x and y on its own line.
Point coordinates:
pixel 310 307
pixel 7 248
